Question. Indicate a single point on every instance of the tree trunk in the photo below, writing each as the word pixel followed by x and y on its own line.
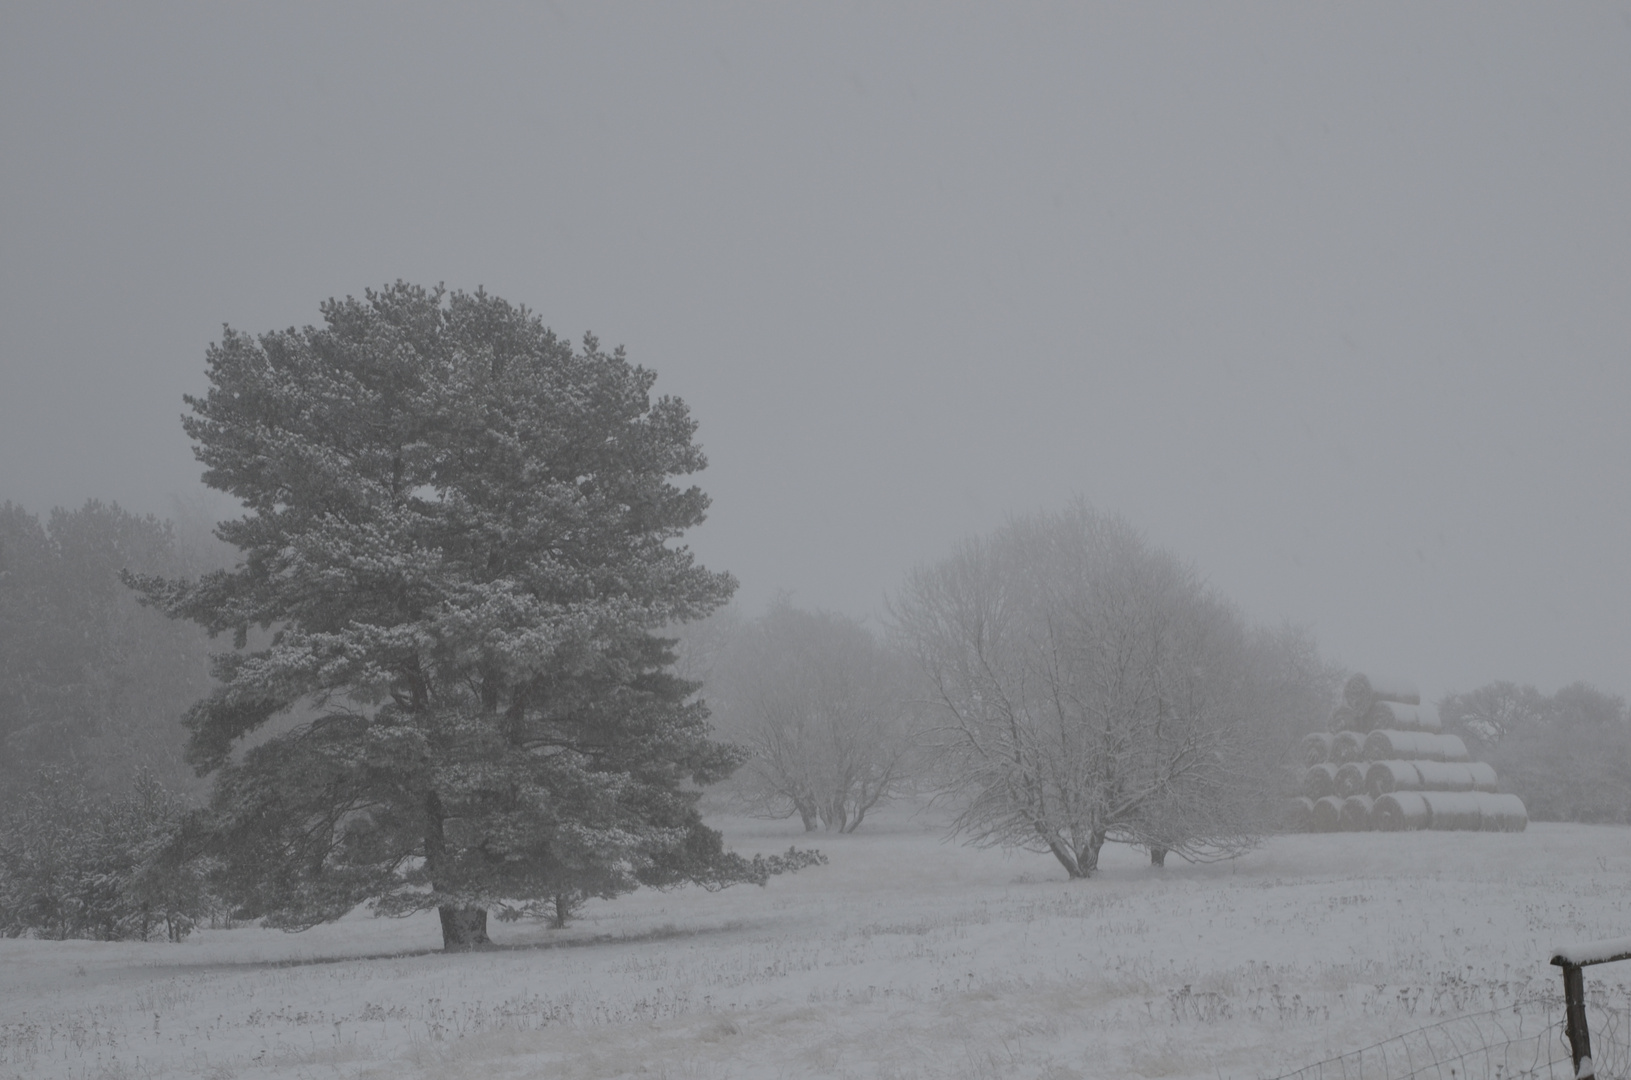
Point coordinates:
pixel 837 817
pixel 1158 856
pixel 1088 857
pixel 1067 858
pixel 807 813
pixel 463 928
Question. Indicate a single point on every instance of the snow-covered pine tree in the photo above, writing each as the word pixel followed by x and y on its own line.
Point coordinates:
pixel 459 542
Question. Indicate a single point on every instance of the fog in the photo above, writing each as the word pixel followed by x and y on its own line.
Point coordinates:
pixel 1336 303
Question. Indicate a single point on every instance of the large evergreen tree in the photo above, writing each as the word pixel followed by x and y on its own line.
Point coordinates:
pixel 459 543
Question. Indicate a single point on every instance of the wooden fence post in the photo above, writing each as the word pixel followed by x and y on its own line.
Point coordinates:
pixel 1571 960
pixel 1574 997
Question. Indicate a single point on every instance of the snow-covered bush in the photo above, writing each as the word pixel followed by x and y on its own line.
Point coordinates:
pixel 77 865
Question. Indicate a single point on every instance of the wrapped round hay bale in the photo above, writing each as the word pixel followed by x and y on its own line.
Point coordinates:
pixel 1350 779
pixel 1454 748
pixel 1502 813
pixel 1400 811
pixel 1390 715
pixel 1456 775
pixel 1346 718
pixel 1454 810
pixel 1361 692
pixel 1347 746
pixel 1429 719
pixel 1320 780
pixel 1299 814
pixel 1316 748
pixel 1388 745
pixel 1386 777
pixel 1356 813
pixel 1398 717
pixel 1327 814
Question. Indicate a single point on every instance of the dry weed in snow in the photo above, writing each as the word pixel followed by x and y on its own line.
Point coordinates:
pixel 906 957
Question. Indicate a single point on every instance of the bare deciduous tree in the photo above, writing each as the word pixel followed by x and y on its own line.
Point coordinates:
pixel 1487 715
pixel 1087 687
pixel 822 706
pixel 1568 754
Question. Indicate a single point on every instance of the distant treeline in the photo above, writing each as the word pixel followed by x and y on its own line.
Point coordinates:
pixel 93 687
pixel 90 680
pixel 96 800
pixel 1567 755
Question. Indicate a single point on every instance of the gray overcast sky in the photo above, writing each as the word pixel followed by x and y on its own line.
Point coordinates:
pixel 1335 301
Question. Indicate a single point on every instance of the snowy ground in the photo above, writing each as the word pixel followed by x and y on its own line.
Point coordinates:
pixel 905 957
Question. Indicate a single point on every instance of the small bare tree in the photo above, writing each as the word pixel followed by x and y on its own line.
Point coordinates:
pixel 1087 687
pixel 823 707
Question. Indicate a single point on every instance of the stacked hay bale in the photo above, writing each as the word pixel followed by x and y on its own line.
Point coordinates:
pixel 1387 764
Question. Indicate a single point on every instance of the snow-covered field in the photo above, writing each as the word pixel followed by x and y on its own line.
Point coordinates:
pixel 904 957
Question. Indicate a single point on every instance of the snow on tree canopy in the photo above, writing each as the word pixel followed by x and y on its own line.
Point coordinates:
pixel 459 539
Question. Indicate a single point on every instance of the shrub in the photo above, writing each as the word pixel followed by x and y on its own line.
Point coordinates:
pixel 78 865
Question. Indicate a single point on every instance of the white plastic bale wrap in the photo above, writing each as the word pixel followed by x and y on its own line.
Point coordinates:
pixel 1502 813
pixel 1455 810
pixel 1327 814
pixel 1450 810
pixel 1398 717
pixel 1347 746
pixel 1456 775
pixel 1350 779
pixel 1386 777
pixel 1389 745
pixel 1356 813
pixel 1320 780
pixel 1316 748
pixel 1401 810
pixel 1362 691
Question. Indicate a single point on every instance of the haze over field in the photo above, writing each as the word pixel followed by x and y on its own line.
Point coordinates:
pixel 1333 303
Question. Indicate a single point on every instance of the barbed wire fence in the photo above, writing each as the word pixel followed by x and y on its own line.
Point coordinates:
pixel 1524 1041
